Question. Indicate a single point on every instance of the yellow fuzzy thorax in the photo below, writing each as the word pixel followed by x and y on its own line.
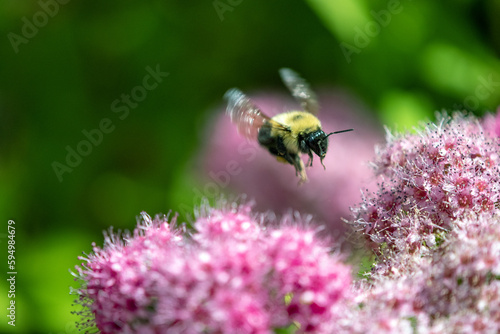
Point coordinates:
pixel 298 122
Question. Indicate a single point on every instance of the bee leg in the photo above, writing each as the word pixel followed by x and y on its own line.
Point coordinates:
pixel 290 158
pixel 310 161
pixel 278 149
pixel 302 172
pixel 300 169
pixel 304 148
pixel 296 161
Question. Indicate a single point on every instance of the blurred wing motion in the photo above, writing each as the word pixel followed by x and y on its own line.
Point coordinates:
pixel 246 115
pixel 300 90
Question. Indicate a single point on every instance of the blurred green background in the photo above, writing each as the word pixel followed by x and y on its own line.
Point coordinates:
pixel 68 66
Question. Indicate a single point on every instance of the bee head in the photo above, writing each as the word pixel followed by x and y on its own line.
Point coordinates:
pixel 318 142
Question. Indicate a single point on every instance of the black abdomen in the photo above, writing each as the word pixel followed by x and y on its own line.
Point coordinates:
pixel 274 143
pixel 264 136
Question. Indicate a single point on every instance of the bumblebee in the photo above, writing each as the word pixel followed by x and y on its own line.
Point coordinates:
pixel 288 134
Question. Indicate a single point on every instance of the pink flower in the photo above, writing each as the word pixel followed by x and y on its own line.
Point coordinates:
pixel 464 275
pixel 491 123
pixel 444 172
pixel 236 274
pixel 232 164
pixel 454 289
pixel 435 225
pixel 383 308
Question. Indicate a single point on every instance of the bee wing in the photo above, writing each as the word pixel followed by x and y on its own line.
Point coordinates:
pixel 300 90
pixel 246 115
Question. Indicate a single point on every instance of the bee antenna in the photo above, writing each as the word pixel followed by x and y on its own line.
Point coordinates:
pixel 333 133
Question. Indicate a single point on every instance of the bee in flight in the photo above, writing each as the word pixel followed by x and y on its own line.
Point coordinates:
pixel 288 134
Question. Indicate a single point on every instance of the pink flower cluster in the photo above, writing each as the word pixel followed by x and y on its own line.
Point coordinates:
pixel 463 277
pixel 435 226
pixel 236 274
pixel 445 171
pixel 491 123
pixel 456 290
